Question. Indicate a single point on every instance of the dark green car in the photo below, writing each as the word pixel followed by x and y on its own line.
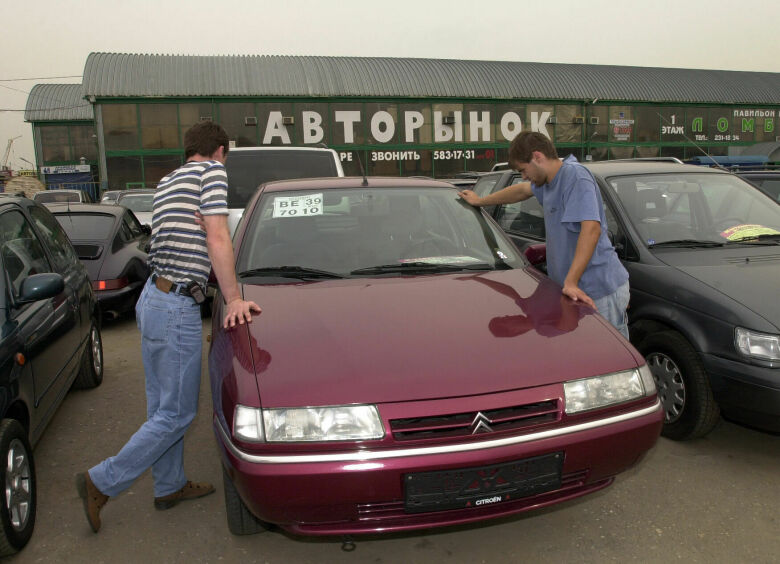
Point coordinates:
pixel 49 342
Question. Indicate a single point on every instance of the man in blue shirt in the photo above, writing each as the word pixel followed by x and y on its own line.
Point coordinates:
pixel 580 256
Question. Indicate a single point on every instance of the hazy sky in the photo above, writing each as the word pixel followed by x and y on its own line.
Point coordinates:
pixel 48 38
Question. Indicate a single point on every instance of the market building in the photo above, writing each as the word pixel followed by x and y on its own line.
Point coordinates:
pixel 393 116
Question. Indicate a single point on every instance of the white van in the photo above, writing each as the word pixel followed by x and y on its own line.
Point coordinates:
pixel 249 167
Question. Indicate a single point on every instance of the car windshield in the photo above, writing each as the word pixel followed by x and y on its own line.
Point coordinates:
pixel 696 208
pixel 371 231
pixel 137 202
pixel 246 170
pixel 85 226
pixel 51 196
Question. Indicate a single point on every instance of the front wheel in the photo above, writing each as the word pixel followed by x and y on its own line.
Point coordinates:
pixel 690 410
pixel 19 493
pixel 240 520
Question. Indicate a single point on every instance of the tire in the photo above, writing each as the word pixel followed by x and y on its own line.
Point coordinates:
pixel 239 519
pixel 690 410
pixel 19 493
pixel 91 372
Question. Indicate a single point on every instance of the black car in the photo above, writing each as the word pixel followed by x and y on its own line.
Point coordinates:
pixel 702 248
pixel 768 181
pixel 113 245
pixel 49 342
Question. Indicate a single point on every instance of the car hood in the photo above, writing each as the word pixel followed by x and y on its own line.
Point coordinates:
pixel 747 276
pixel 411 338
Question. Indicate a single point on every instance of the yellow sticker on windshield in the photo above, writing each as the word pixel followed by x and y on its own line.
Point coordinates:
pixel 298 206
pixel 747 231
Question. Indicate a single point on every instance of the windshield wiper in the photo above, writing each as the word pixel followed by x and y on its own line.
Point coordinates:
pixel 425 267
pixel 290 272
pixel 687 243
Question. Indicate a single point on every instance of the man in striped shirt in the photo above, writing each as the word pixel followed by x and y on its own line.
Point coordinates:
pixel 189 237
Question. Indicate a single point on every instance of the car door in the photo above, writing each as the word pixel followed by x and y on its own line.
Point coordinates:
pixel 47 328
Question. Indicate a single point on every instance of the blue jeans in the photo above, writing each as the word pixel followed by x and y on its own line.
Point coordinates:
pixel 171 344
pixel 613 308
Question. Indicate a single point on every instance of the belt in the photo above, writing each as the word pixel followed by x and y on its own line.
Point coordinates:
pixel 169 287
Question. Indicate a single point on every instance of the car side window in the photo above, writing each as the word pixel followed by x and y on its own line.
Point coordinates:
pixel 125 233
pixel 55 238
pixel 623 246
pixel 522 217
pixel 22 253
pixel 132 224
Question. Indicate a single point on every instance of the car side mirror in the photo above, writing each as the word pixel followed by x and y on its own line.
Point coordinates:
pixel 146 229
pixel 536 254
pixel 38 287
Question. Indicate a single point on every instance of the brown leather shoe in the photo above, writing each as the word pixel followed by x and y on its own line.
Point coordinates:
pixel 93 499
pixel 191 490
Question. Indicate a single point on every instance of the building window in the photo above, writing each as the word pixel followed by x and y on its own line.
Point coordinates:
pixel 273 129
pixel 415 125
pixel 382 123
pixel 346 124
pixel 84 142
pixel 568 129
pixel 621 124
pixel 240 122
pixel 155 167
pixel 122 171
pixel 55 144
pixel 120 126
pixel 159 126
pixel 190 114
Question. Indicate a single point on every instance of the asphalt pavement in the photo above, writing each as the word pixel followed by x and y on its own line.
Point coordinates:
pixel 712 500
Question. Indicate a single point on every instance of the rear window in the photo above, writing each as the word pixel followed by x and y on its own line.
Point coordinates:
pixel 80 226
pixel 247 170
pixel 55 196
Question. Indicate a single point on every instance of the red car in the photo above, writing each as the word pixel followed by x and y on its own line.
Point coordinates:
pixel 410 368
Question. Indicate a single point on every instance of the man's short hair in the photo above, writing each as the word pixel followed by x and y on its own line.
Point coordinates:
pixel 523 146
pixel 204 138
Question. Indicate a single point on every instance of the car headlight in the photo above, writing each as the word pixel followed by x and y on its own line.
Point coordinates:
pixel 758 345
pixel 333 423
pixel 608 389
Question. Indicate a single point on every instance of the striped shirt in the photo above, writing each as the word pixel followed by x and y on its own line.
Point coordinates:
pixel 178 251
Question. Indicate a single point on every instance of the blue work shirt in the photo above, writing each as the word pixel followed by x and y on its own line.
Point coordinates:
pixel 571 198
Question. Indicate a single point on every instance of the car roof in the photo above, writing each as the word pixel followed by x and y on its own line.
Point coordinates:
pixel 758 173
pixel 619 168
pixel 136 192
pixel 335 182
pixel 74 207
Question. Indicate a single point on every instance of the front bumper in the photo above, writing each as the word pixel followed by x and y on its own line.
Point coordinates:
pixel 362 491
pixel 746 392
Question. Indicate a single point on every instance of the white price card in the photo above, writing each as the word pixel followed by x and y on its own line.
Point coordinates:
pixel 298 206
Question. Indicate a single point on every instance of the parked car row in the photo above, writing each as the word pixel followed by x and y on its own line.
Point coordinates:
pixel 701 248
pixel 49 342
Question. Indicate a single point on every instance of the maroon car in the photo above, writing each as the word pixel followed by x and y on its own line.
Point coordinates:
pixel 410 368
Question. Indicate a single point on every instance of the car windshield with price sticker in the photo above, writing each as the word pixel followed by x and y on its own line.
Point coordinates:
pixel 410 368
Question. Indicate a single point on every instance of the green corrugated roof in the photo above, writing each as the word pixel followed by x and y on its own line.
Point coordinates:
pixel 138 75
pixel 57 102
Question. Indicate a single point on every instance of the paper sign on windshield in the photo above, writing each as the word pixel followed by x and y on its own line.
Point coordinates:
pixel 747 231
pixel 298 206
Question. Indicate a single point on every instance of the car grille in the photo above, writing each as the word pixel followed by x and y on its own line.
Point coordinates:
pixel 476 422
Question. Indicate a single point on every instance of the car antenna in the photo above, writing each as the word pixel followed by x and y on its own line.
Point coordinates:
pixel 362 170
pixel 692 142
